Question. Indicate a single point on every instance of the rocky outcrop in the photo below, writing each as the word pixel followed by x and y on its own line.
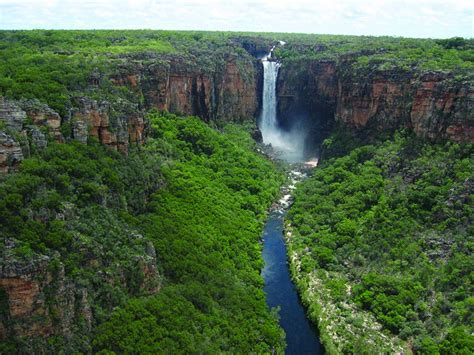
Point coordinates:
pixel 433 104
pixel 26 122
pixel 39 299
pixel 21 125
pixel 92 118
pixel 29 285
pixel 11 114
pixel 80 131
pixel 38 138
pixel 223 91
pixel 42 115
pixel 10 153
pixel 12 118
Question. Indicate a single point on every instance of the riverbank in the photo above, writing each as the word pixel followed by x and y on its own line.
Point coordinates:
pixel 337 321
pixel 315 290
pixel 377 238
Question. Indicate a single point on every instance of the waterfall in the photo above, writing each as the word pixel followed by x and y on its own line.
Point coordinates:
pixel 268 120
pixel 288 144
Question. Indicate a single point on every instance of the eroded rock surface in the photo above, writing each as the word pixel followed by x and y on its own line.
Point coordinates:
pixel 434 104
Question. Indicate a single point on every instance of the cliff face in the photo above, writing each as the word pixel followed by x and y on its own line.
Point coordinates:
pixel 230 92
pixel 433 104
pixel 29 286
pixel 22 127
pixel 227 93
pixel 39 299
pixel 93 118
pixel 307 92
pixel 443 108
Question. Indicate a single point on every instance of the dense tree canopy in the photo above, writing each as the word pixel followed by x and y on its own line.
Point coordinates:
pixel 393 224
pixel 198 195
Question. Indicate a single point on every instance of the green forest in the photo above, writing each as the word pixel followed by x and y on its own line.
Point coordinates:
pixel 386 231
pixel 385 53
pixel 198 195
pixel 131 229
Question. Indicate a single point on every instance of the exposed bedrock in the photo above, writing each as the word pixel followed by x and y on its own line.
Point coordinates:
pixel 228 92
pixel 40 299
pixel 321 93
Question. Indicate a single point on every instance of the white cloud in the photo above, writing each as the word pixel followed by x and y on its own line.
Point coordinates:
pixel 415 18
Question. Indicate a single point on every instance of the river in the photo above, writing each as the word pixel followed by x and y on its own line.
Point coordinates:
pixel 301 335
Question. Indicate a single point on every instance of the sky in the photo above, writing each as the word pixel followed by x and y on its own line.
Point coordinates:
pixel 407 18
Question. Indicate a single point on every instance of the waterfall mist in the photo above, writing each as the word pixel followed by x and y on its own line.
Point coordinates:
pixel 288 144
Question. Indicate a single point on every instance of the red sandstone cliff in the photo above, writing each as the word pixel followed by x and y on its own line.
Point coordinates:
pixel 433 104
pixel 225 92
pixel 39 299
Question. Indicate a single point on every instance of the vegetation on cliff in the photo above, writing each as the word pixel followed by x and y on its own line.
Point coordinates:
pixel 198 195
pixel 383 53
pixel 383 236
pixel 56 66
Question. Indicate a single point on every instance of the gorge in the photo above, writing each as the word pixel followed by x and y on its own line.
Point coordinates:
pixel 153 241
pixel 301 337
pixel 315 95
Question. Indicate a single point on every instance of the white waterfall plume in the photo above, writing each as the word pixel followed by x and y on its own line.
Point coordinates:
pixel 268 121
pixel 289 145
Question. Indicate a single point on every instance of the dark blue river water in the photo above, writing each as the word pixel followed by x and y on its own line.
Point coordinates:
pixel 301 335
